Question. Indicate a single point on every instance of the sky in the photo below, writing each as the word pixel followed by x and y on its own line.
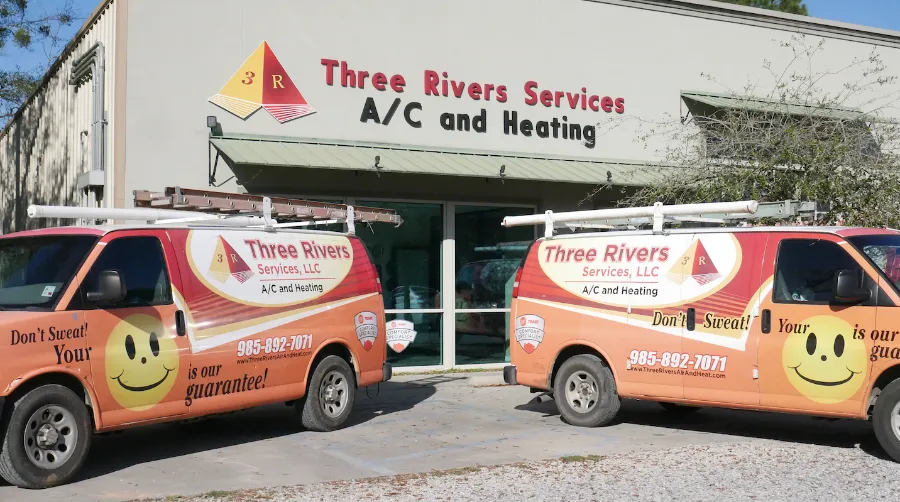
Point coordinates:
pixel 877 13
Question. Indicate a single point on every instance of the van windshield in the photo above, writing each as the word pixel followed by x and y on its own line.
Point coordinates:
pixel 884 252
pixel 34 270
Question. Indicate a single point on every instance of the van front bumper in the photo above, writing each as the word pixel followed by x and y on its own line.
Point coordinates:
pixel 386 372
pixel 509 375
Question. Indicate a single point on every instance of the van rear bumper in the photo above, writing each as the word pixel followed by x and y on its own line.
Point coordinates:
pixel 386 372
pixel 509 375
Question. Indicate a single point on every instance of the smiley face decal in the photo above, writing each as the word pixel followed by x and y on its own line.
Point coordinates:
pixel 823 361
pixel 141 362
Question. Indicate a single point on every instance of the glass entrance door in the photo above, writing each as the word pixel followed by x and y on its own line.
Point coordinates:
pixel 408 259
pixel 487 256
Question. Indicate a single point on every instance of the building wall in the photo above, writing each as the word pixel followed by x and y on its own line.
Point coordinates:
pixel 610 48
pixel 49 143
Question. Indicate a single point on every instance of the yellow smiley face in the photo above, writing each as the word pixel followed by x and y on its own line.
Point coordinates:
pixel 141 362
pixel 823 361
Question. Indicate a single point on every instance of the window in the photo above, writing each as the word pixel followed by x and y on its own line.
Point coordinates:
pixel 805 269
pixel 142 266
pixel 34 271
pixel 884 252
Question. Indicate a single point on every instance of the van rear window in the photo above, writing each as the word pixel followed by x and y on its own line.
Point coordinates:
pixel 35 270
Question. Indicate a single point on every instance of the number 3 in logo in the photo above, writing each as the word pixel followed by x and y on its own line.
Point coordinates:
pixel 249 79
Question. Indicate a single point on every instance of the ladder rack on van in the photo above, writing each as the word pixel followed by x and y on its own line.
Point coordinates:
pixel 180 205
pixel 626 218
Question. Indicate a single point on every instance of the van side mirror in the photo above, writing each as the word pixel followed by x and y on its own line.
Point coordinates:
pixel 110 288
pixel 848 287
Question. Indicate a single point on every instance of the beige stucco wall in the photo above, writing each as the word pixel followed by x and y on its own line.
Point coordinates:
pixel 642 56
pixel 50 143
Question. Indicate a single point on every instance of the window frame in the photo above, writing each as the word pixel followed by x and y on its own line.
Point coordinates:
pixel 869 283
pixel 82 303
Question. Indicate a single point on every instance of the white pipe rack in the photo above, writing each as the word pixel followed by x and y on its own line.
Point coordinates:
pixel 178 206
pixel 658 214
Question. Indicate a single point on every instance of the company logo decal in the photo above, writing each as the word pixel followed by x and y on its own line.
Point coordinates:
pixel 529 332
pixel 269 270
pixel 227 263
pixel 400 334
pixel 694 264
pixel 262 82
pixel 643 271
pixel 366 328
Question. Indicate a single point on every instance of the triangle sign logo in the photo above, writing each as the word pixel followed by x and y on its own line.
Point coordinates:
pixel 262 82
pixel 695 263
pixel 226 262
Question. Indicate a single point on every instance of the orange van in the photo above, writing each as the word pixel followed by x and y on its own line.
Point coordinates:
pixel 785 319
pixel 118 326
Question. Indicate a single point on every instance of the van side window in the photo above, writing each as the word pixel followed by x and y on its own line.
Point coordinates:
pixel 142 266
pixel 805 269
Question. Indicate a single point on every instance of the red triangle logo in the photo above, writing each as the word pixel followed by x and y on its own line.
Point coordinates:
pixel 703 270
pixel 236 265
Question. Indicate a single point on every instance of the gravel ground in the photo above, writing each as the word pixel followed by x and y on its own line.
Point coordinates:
pixel 768 471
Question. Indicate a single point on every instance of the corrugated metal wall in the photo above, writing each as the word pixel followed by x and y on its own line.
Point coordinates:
pixel 50 143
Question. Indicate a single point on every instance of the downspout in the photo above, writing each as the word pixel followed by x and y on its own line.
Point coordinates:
pixel 92 64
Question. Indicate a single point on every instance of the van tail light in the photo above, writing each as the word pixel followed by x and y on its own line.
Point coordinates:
pixel 515 291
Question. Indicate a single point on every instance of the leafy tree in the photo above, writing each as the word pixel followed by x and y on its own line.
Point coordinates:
pixel 795 141
pixel 789 6
pixel 24 24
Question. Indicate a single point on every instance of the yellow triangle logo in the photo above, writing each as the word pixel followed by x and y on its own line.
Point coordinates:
pixel 262 82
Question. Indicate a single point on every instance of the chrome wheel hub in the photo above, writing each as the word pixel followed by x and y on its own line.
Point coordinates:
pixel 334 393
pixel 50 436
pixel 582 392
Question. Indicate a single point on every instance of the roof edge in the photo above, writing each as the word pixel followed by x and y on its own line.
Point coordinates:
pixel 770 18
pixel 690 93
pixel 54 68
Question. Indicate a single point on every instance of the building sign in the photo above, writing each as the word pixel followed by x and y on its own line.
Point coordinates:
pixel 261 82
pixel 441 85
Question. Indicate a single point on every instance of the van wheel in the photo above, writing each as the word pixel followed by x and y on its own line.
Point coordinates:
pixel 47 438
pixel 886 420
pixel 682 409
pixel 329 400
pixel 585 392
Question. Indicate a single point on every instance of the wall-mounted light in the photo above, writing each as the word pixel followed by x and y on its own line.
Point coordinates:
pixel 608 176
pixel 502 173
pixel 378 167
pixel 212 123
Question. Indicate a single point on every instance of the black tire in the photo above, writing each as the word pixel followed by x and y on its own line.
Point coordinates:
pixel 313 406
pixel 16 465
pixel 881 420
pixel 682 409
pixel 606 403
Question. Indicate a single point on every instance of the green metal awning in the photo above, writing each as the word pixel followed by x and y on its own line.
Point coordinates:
pixel 724 101
pixel 261 151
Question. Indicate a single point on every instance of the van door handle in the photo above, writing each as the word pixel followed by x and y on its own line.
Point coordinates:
pixel 691 318
pixel 179 323
pixel 766 321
